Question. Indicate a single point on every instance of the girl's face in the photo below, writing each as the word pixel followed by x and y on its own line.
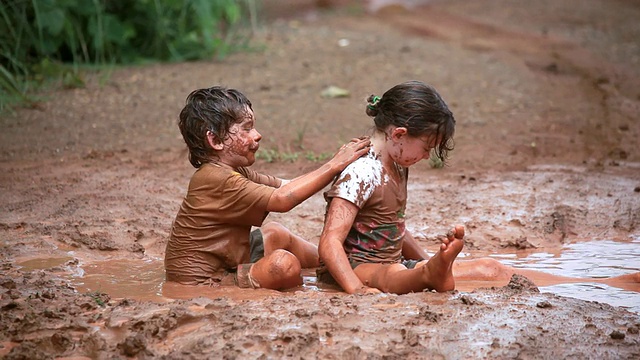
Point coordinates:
pixel 241 143
pixel 406 150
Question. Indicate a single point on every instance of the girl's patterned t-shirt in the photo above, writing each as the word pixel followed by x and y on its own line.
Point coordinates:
pixel 378 229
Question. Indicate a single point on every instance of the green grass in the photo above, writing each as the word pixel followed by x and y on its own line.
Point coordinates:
pixel 272 156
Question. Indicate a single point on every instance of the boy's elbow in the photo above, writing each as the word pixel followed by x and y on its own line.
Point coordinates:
pixel 280 204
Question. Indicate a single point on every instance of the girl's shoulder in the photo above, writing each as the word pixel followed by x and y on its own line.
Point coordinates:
pixel 366 163
pixel 368 168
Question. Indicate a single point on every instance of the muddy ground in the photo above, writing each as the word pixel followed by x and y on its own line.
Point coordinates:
pixel 547 99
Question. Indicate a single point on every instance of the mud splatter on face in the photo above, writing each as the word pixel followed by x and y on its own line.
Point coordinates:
pixel 242 142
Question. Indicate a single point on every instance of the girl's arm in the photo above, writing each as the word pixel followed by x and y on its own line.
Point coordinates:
pixel 293 192
pixel 338 222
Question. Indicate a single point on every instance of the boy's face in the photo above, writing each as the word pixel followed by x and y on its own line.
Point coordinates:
pixel 241 143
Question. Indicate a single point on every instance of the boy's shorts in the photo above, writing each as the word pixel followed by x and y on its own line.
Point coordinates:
pixel 324 276
pixel 242 277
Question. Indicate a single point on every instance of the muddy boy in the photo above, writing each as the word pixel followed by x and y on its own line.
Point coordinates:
pixel 212 241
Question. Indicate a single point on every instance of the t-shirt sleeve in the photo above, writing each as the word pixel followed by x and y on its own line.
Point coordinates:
pixel 246 200
pixel 227 197
pixel 260 178
pixel 357 181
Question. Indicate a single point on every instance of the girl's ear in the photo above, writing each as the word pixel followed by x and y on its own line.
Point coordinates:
pixel 214 141
pixel 398 133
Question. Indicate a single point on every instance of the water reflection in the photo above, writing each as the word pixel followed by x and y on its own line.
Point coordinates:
pixel 136 279
pixel 597 259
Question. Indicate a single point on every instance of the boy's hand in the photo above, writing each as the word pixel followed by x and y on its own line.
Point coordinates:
pixel 351 151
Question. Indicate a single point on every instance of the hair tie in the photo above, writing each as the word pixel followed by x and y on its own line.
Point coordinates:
pixel 374 102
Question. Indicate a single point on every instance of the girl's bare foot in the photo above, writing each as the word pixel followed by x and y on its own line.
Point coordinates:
pixel 438 268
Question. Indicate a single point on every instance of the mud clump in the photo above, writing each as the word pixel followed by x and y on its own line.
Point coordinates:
pixel 133 345
pixel 521 283
pixel 617 335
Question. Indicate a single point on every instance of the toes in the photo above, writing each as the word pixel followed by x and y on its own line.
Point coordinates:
pixel 459 231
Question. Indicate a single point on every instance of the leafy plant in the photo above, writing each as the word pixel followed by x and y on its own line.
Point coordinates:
pixel 104 32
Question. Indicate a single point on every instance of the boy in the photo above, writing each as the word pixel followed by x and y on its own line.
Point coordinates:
pixel 211 240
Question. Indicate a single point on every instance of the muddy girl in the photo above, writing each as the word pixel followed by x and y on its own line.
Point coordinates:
pixel 365 246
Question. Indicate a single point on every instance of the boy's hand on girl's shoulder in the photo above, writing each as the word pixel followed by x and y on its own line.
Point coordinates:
pixel 352 150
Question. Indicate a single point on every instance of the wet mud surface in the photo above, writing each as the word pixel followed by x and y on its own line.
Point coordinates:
pixel 547 100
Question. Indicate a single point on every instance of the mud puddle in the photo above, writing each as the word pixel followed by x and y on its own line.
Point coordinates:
pixel 589 260
pixel 144 279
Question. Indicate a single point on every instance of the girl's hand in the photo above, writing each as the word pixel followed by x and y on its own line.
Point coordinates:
pixel 365 290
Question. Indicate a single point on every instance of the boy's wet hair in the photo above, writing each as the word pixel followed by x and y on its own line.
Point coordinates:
pixel 417 107
pixel 214 109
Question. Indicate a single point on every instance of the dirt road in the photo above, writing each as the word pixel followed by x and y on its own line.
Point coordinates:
pixel 547 100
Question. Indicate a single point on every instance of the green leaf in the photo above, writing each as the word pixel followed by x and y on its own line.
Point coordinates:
pixel 334 92
pixel 114 31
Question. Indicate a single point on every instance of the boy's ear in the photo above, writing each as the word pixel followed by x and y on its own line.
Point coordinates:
pixel 214 142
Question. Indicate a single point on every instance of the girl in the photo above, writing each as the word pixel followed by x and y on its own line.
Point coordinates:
pixel 364 245
pixel 364 237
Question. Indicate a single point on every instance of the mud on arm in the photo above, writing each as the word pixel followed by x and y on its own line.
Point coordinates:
pixel 338 222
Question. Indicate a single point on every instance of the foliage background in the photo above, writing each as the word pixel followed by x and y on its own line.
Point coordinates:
pixel 44 40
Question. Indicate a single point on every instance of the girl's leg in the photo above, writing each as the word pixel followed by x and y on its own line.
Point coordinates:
pixel 487 269
pixel 276 236
pixel 436 273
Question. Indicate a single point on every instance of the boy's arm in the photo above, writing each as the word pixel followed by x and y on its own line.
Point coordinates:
pixel 338 222
pixel 410 248
pixel 293 192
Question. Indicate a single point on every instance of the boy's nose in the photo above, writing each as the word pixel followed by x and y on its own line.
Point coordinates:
pixel 257 136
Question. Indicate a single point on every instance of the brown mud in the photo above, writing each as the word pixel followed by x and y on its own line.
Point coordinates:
pixel 547 100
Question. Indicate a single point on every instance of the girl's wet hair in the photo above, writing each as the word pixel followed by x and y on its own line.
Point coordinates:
pixel 417 107
pixel 214 109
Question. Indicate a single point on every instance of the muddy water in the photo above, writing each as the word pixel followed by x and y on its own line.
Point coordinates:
pixel 144 279
pixel 589 260
pixel 601 259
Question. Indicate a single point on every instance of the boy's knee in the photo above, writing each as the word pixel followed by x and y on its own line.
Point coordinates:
pixel 275 236
pixel 272 230
pixel 284 264
pixel 278 270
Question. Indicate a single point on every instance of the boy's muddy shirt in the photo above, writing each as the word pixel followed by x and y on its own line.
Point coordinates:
pixel 379 227
pixel 210 234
